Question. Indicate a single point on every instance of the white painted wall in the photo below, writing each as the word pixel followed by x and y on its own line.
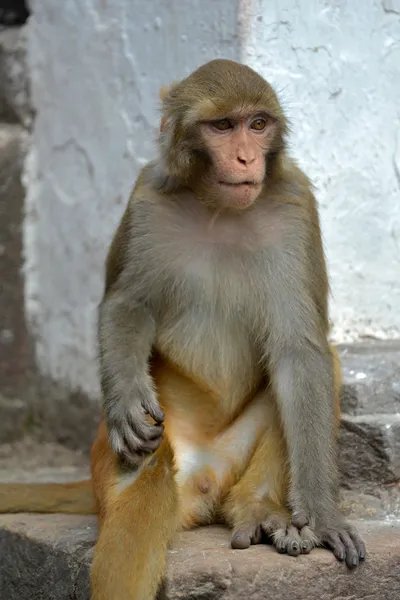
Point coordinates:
pixel 96 69
pixel 336 64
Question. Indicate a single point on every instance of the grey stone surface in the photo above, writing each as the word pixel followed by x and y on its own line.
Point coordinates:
pixel 14 89
pixel 42 558
pixel 371 377
pixel 369 440
pixel 16 356
pixel 383 503
pixel 47 558
pixel 369 451
pixel 14 414
pixel 30 461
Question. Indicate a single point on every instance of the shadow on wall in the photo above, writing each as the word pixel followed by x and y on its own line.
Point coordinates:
pixel 13 12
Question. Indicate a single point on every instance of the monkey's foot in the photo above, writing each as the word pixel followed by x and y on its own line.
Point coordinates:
pixel 341 538
pixel 286 538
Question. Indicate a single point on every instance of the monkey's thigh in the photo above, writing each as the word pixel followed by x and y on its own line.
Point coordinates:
pixel 138 510
pixel 256 506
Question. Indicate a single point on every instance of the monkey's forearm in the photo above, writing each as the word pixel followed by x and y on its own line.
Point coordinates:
pixel 126 336
pixel 305 390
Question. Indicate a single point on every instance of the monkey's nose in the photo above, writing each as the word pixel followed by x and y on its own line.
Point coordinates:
pixel 245 159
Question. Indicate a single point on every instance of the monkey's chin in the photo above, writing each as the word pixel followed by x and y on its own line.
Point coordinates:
pixel 241 196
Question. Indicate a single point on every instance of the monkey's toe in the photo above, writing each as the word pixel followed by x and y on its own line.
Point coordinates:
pixel 288 541
pixel 245 536
pixel 346 545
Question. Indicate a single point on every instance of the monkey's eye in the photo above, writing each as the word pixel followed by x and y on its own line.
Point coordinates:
pixel 222 125
pixel 258 124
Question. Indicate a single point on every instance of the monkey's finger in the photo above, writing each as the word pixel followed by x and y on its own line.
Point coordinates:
pixel 358 543
pixel 120 448
pixel 150 446
pixel 137 444
pixel 117 441
pixel 155 431
pixel 154 410
pixel 146 432
pixel 131 441
pixel 352 559
pixel 332 539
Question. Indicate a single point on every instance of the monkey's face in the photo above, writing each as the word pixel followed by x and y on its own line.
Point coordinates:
pixel 237 150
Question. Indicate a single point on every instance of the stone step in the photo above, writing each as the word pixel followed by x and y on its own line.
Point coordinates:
pixel 371 378
pixel 369 450
pixel 49 558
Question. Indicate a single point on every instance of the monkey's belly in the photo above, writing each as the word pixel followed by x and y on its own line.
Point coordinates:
pixel 214 351
pixel 208 467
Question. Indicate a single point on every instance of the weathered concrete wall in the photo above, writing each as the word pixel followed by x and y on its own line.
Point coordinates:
pixel 337 66
pixel 96 72
pixel 96 69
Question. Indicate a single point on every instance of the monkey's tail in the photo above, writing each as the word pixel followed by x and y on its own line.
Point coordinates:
pixel 137 524
pixel 71 498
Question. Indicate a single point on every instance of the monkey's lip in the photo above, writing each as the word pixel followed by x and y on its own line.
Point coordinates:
pixel 239 183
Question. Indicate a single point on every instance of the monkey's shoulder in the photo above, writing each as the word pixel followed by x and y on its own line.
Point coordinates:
pixel 294 187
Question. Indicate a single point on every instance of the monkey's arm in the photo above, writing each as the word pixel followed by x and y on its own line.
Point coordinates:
pixel 126 332
pixel 301 368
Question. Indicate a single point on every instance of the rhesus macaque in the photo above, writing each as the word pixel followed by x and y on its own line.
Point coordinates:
pixel 221 392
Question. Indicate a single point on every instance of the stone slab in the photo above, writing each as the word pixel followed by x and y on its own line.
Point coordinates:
pixel 369 450
pixel 49 557
pixel 29 461
pixel 371 377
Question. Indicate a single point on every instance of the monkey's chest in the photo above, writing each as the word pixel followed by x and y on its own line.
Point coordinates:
pixel 206 326
pixel 212 348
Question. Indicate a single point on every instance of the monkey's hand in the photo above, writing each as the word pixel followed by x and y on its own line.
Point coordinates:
pixel 131 435
pixel 334 533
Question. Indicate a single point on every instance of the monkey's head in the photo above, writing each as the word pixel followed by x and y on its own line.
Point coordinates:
pixel 222 133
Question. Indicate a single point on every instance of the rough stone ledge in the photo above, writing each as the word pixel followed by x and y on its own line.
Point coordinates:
pixel 371 377
pixel 369 450
pixel 48 558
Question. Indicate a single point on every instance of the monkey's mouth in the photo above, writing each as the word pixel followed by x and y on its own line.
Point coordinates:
pixel 239 184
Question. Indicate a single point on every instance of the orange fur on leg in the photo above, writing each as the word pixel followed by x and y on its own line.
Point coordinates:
pixel 139 515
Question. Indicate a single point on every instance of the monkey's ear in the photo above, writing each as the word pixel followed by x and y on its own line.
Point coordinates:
pixel 163 123
pixel 164 92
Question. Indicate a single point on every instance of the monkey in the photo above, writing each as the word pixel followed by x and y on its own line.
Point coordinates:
pixel 220 387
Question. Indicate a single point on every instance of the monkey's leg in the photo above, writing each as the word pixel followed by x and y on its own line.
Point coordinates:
pixel 138 517
pixel 257 504
pixel 255 507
